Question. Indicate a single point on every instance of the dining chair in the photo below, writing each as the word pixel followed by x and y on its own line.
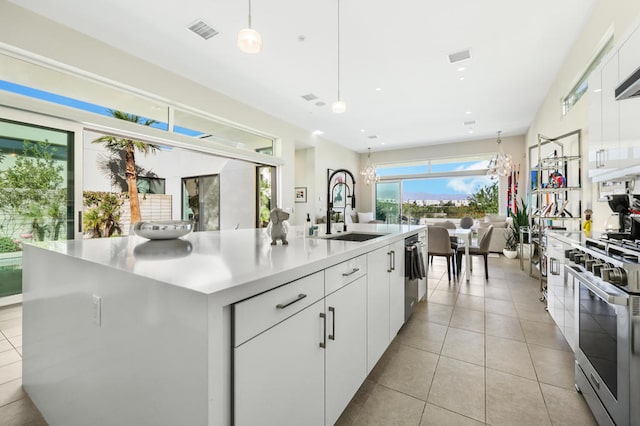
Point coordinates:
pixel 439 244
pixel 455 243
pixel 482 249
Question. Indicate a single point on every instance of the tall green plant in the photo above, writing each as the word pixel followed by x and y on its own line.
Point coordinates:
pixel 520 219
pixel 129 146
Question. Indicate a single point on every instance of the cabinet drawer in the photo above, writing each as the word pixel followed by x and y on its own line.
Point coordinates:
pixel 343 273
pixel 254 315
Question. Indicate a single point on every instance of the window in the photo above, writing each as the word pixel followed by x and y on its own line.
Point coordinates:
pixel 582 85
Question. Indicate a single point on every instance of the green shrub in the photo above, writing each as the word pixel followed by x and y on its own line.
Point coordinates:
pixel 7 245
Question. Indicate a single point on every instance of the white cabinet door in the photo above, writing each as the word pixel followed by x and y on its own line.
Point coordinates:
pixel 396 289
pixel 346 354
pixel 279 374
pixel 610 115
pixel 630 55
pixel 570 328
pixel 629 132
pixel 595 124
pixel 378 268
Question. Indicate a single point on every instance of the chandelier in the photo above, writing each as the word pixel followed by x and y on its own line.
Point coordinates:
pixel 501 163
pixel 369 171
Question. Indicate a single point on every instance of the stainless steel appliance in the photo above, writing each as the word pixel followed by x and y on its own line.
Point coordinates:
pixel 415 283
pixel 606 276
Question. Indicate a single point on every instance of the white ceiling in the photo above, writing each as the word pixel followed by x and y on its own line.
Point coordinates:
pixel 400 46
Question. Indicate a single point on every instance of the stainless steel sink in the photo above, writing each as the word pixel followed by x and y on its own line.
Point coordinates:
pixel 354 236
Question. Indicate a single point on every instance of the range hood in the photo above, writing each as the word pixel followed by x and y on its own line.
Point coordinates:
pixel 630 87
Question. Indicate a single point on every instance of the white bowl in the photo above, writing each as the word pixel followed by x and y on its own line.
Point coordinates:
pixel 162 230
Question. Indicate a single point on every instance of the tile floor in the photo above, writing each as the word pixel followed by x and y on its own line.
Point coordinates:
pixel 473 354
pixel 480 353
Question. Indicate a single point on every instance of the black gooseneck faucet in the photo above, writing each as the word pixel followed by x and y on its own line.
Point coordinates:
pixel 330 198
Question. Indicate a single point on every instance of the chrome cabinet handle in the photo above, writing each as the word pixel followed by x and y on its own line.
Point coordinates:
pixel 332 336
pixel 393 262
pixel 390 269
pixel 323 344
pixel 353 271
pixel 621 300
pixel 297 299
pixel 553 266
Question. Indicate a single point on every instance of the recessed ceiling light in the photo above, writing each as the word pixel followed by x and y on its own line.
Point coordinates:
pixel 361 130
pixel 461 69
pixel 381 143
pixel 378 89
pixel 461 78
pixel 317 132
pixel 597 91
pixel 470 131
pixel 468 112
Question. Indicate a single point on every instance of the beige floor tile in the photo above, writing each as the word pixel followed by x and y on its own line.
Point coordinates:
pixel 10 372
pixel 464 345
pixel 427 336
pixel 378 370
pixel 352 411
pixel 472 289
pixel 468 319
pixel 503 326
pixel 8 357
pixel 538 313
pixel 10 313
pixel 11 391
pixel 410 371
pixel 388 407
pixel 509 356
pixel 544 334
pixel 16 341
pixel 443 297
pixel 19 413
pixel 496 281
pixel 19 349
pixel 5 345
pixel 448 286
pixel 467 301
pixel 12 331
pixel 513 400
pixel 436 416
pixel 500 307
pixel 553 366
pixel 459 386
pixel 10 324
pixel 433 312
pixel 499 293
pixel 567 407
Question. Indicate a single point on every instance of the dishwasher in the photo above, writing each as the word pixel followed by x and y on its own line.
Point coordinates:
pixel 415 280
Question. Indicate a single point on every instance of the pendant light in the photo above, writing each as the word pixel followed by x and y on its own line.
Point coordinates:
pixel 339 106
pixel 501 163
pixel 369 171
pixel 249 40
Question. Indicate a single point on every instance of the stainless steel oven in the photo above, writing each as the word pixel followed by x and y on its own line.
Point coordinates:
pixel 608 349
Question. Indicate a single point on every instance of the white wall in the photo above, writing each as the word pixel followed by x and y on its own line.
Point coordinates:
pixel 237 178
pixel 513 145
pixel 619 14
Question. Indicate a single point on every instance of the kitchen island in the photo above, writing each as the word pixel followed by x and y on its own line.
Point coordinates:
pixel 131 331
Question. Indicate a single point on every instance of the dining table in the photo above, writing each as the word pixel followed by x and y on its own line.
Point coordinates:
pixel 465 235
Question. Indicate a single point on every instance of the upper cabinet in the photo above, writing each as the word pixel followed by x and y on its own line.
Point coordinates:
pixel 629 133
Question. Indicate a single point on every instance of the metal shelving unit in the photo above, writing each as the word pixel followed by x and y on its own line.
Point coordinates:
pixel 557 193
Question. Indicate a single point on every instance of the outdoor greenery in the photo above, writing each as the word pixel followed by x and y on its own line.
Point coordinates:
pixel 102 217
pixel 7 245
pixel 482 202
pixel 117 145
pixel 32 194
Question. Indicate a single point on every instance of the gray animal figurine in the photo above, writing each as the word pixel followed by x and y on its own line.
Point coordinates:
pixel 278 229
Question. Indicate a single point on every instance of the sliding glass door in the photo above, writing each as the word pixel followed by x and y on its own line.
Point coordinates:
pixel 36 193
pixel 388 201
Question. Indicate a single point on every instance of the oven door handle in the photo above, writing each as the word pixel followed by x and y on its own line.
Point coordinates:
pixel 609 298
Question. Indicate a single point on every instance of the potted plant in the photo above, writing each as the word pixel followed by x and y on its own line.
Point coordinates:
pixel 520 219
pixel 511 244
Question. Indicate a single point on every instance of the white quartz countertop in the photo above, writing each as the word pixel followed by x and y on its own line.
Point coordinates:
pixel 216 262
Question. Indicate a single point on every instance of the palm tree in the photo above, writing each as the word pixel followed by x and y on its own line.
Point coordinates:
pixel 129 146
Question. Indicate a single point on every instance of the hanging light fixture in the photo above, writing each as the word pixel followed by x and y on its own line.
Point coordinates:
pixel 249 40
pixel 339 106
pixel 369 171
pixel 501 163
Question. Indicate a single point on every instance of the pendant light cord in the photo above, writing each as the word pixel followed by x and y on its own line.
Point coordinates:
pixel 249 13
pixel 339 51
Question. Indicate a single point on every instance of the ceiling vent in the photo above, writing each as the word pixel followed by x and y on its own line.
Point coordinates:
pixel 203 30
pixel 309 97
pixel 373 137
pixel 320 104
pixel 470 123
pixel 459 56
